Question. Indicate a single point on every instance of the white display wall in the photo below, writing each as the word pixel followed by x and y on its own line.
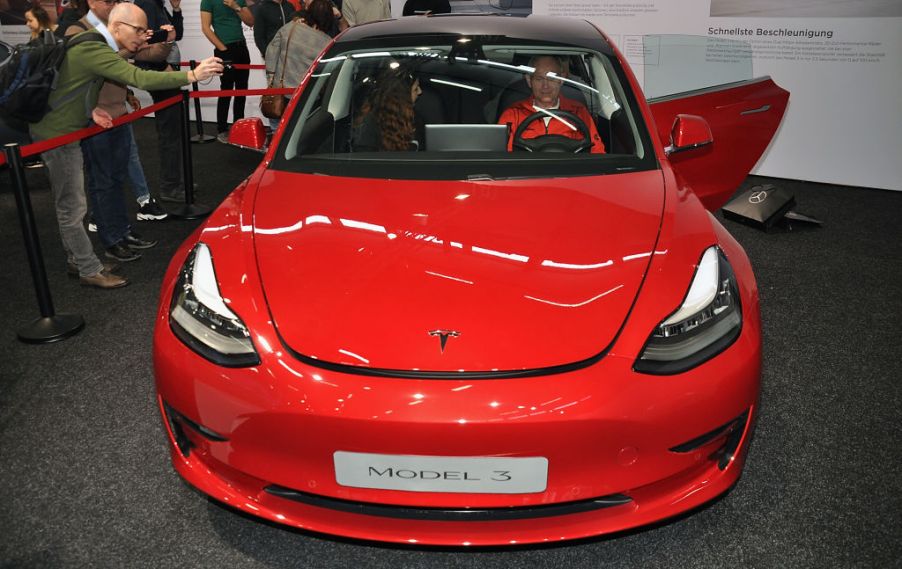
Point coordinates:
pixel 841 61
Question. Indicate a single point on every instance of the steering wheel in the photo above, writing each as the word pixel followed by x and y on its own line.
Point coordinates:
pixel 553 142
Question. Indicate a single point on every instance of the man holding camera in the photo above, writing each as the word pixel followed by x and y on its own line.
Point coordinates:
pixel 78 88
pixel 221 20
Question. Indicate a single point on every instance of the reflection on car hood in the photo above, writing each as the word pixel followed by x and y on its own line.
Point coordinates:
pixel 514 274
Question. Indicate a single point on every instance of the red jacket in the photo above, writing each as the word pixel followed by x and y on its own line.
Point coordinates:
pixel 516 113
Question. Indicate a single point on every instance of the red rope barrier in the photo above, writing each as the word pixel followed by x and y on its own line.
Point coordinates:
pixel 240 93
pixel 50 144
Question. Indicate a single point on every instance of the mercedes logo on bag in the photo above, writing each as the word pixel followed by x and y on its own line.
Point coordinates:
pixel 443 336
pixel 758 197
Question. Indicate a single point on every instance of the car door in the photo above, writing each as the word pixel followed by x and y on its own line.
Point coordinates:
pixel 711 78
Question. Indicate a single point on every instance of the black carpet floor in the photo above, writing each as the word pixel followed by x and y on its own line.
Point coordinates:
pixel 85 479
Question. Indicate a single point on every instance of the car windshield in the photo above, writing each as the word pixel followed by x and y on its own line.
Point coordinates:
pixel 433 107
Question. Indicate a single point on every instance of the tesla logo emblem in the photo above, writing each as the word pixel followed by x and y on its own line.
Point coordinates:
pixel 443 336
pixel 758 197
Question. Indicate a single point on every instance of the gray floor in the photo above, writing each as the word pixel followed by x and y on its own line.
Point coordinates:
pixel 85 479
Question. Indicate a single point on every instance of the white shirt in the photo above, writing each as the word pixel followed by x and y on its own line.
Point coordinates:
pixel 101 27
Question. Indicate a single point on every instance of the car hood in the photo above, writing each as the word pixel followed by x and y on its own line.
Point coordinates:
pixel 453 276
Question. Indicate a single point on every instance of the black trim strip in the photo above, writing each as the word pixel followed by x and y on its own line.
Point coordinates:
pixel 411 374
pixel 200 429
pixel 733 432
pixel 449 515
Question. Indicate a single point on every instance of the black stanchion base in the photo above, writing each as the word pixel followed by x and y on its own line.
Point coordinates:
pixel 51 329
pixel 202 138
pixel 190 211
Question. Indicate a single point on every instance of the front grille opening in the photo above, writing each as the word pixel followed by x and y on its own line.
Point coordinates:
pixel 731 432
pixel 177 424
pixel 449 514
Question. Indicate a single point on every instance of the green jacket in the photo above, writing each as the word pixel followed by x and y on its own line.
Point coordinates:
pixel 89 63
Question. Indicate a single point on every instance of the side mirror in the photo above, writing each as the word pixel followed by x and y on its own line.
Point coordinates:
pixel 248 133
pixel 688 132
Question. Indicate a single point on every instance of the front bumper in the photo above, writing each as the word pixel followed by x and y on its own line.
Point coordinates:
pixel 624 449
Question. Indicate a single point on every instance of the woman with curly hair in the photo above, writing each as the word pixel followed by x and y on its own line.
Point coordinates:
pixel 386 120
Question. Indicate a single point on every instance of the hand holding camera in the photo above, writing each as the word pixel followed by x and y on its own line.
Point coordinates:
pixel 207 68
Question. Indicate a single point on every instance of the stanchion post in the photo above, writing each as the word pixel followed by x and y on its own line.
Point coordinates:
pixel 50 327
pixel 200 137
pixel 190 210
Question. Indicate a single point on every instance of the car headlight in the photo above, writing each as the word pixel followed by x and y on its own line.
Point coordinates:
pixel 200 318
pixel 708 321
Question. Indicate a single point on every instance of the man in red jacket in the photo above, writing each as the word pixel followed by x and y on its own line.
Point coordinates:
pixel 546 94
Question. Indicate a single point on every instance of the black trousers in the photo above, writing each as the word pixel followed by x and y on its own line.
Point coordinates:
pixel 169 138
pixel 232 78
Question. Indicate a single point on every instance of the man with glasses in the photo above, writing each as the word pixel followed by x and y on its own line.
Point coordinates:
pixel 107 155
pixel 545 83
pixel 83 70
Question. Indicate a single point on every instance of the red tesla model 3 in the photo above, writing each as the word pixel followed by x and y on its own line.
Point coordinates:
pixel 473 337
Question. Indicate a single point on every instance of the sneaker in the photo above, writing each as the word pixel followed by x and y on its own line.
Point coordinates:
pixel 223 137
pixel 104 279
pixel 121 252
pixel 134 241
pixel 92 227
pixel 72 269
pixel 151 211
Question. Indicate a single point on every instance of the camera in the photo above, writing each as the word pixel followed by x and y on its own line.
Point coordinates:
pixel 227 64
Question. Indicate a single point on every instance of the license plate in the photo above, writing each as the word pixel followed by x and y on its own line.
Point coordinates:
pixel 463 474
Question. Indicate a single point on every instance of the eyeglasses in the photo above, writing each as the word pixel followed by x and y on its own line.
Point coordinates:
pixel 138 29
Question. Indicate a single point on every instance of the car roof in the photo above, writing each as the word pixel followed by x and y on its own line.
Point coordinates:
pixel 533 27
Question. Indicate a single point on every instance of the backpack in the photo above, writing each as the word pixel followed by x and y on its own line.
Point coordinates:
pixel 31 73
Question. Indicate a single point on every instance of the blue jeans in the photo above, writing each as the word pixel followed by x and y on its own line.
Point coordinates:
pixel 106 168
pixel 135 170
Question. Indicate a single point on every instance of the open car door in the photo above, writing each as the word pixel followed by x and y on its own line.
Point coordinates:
pixel 712 78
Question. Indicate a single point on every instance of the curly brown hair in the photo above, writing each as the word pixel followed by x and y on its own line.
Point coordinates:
pixel 392 109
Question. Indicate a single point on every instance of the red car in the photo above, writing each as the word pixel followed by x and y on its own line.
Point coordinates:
pixel 450 342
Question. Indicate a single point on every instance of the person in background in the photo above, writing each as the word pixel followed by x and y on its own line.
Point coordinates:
pixel 148 208
pixel 271 15
pixel 309 35
pixel 220 21
pixel 75 10
pixel 168 29
pixel 294 47
pixel 358 12
pixel 386 121
pixel 37 19
pixel 78 87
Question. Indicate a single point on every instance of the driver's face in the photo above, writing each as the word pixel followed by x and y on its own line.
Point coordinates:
pixel 546 90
